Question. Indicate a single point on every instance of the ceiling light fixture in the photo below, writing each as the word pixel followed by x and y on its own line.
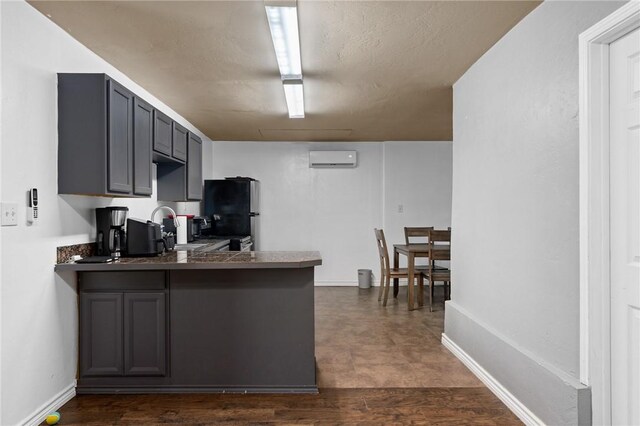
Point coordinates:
pixel 283 23
pixel 294 93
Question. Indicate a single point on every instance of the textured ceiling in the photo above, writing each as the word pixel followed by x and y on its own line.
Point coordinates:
pixel 372 70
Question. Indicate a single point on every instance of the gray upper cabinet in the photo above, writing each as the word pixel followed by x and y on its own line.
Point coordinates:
pixel 108 139
pixel 142 145
pixel 120 146
pixel 172 184
pixel 182 182
pixel 194 168
pixel 101 334
pixel 162 133
pixel 179 149
pixel 95 136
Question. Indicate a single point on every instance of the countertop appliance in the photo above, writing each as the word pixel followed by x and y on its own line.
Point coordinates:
pixel 169 226
pixel 199 225
pixel 232 206
pixel 144 238
pixel 240 243
pixel 110 235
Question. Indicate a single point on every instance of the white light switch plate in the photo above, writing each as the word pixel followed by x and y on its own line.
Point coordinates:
pixel 9 214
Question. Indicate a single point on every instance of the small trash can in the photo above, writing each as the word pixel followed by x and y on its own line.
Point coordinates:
pixel 364 278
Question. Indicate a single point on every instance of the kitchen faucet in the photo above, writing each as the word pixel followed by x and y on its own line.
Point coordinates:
pixel 175 217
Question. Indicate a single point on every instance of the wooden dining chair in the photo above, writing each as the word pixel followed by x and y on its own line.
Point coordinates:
pixel 417 232
pixel 433 273
pixel 387 272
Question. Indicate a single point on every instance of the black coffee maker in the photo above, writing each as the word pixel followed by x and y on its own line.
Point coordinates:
pixel 110 237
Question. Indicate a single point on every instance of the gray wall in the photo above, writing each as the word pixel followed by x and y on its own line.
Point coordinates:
pixel 515 301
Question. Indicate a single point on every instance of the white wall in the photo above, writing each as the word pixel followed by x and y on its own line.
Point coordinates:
pixel 39 311
pixel 418 177
pixel 1 141
pixel 335 210
pixel 515 297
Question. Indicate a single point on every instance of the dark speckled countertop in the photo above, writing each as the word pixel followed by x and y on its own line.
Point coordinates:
pixel 203 259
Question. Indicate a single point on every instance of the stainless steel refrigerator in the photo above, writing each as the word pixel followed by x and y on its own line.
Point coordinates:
pixel 232 205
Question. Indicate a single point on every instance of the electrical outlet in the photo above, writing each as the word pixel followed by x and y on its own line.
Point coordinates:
pixel 9 213
pixel 400 208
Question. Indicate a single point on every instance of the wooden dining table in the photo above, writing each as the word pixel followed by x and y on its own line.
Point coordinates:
pixel 413 251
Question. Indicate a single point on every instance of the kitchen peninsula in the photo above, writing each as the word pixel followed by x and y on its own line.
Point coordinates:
pixel 197 321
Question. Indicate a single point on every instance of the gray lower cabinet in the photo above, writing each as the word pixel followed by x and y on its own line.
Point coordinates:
pixel 142 147
pixel 197 330
pixel 101 334
pixel 144 334
pixel 123 334
pixel 123 324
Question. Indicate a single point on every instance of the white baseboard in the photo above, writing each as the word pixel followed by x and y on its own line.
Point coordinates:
pixel 337 283
pixel 518 408
pixel 40 414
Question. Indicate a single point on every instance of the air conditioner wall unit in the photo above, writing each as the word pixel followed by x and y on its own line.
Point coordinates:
pixel 333 159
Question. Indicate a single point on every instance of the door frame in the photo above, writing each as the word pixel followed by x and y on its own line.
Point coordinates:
pixel 595 262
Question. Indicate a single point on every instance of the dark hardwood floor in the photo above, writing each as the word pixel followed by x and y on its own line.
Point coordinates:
pixel 453 406
pixel 376 365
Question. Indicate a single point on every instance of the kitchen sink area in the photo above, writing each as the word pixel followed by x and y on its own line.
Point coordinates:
pixel 209 246
pixel 190 246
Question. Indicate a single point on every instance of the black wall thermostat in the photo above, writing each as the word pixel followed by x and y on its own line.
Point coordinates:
pixel 32 211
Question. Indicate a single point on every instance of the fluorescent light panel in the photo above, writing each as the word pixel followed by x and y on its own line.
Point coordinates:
pixel 283 23
pixel 294 93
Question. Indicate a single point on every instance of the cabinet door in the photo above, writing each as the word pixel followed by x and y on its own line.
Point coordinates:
pixel 101 338
pixel 194 168
pixel 142 141
pixel 162 128
pixel 144 334
pixel 120 146
pixel 179 142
